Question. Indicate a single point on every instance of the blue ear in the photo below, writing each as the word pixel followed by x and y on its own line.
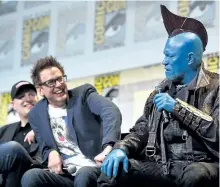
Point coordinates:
pixel 191 58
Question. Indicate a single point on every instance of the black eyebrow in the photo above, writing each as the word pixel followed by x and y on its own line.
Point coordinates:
pixel 54 78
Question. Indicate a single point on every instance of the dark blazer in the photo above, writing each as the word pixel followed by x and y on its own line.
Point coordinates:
pixel 7 134
pixel 93 121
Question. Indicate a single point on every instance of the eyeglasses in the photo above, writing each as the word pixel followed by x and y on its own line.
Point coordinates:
pixel 52 82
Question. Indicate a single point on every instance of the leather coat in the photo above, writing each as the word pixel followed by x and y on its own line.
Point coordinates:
pixel 193 129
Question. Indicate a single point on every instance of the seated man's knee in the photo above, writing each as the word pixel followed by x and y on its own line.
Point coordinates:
pixel 86 176
pixel 31 178
pixel 13 147
pixel 198 174
pixel 86 171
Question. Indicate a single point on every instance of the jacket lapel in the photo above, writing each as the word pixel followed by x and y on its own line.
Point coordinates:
pixel 70 116
pixel 45 121
pixel 7 132
pixel 14 130
pixel 33 148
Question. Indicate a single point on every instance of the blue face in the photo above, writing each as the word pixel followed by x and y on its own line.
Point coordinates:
pixel 180 54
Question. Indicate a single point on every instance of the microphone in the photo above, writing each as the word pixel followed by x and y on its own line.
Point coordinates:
pixel 164 113
pixel 71 169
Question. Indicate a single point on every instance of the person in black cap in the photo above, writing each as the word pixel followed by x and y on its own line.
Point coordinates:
pixel 18 149
pixel 176 140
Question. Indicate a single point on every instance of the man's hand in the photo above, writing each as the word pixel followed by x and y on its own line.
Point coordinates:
pixel 55 162
pixel 164 101
pixel 30 137
pixel 100 157
pixel 111 163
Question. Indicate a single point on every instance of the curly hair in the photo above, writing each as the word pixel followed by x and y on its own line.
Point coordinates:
pixel 42 64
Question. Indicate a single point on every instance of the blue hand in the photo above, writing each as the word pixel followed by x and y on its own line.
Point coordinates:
pixel 111 163
pixel 164 101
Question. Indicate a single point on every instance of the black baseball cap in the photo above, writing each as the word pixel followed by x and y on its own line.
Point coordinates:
pixel 21 84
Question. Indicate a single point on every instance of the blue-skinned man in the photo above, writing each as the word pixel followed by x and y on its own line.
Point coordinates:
pixel 175 142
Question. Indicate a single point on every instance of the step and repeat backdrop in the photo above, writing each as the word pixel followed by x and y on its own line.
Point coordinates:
pixel 114 45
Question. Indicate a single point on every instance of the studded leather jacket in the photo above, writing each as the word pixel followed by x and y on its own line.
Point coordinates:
pixel 193 129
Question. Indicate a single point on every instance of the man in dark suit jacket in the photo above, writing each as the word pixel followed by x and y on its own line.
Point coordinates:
pixel 74 128
pixel 18 150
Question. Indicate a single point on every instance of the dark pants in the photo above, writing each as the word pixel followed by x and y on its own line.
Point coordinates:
pixel 197 174
pixel 150 174
pixel 85 177
pixel 141 174
pixel 182 174
pixel 14 161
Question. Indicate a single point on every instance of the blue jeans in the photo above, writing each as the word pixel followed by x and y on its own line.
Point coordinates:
pixel 85 177
pixel 14 161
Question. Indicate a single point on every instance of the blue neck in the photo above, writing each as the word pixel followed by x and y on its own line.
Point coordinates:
pixel 190 76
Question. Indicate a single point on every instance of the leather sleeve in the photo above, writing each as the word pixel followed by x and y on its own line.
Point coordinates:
pixel 205 125
pixel 134 142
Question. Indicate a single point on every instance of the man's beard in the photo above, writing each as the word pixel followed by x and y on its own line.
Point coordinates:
pixel 178 80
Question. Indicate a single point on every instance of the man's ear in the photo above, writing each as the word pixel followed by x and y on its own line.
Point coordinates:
pixel 191 59
pixel 40 91
pixel 13 105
